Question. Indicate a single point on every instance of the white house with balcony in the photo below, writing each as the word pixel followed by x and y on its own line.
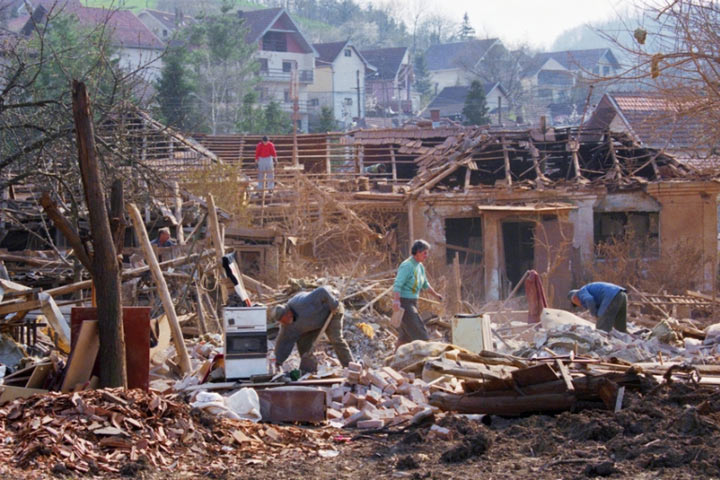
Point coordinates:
pixel 287 59
pixel 339 84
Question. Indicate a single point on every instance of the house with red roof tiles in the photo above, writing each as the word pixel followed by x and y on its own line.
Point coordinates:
pixel 137 47
pixel 286 57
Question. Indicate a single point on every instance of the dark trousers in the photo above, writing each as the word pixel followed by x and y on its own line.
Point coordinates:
pixel 334 333
pixel 615 315
pixel 412 326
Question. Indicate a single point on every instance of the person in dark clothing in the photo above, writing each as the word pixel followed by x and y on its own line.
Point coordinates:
pixel 605 301
pixel 301 321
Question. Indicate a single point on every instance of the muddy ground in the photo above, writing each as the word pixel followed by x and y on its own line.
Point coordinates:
pixel 671 431
pixel 663 431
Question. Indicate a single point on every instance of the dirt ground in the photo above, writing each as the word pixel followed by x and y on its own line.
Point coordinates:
pixel 671 431
pixel 663 431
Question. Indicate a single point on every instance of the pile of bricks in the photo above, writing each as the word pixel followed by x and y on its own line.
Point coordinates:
pixel 374 398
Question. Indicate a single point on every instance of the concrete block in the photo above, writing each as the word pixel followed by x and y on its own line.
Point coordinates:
pixel 334 414
pixel 394 375
pixel 366 424
pixel 350 411
pixel 349 400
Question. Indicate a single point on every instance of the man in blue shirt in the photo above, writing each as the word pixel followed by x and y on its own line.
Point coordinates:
pixel 606 301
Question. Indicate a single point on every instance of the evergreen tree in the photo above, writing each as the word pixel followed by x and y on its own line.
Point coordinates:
pixel 277 122
pixel 175 91
pixel 223 67
pixel 326 122
pixel 422 77
pixel 475 110
pixel 252 119
pixel 466 30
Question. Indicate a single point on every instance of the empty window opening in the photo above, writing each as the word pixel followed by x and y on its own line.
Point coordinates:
pixel 637 233
pixel 274 42
pixel 465 233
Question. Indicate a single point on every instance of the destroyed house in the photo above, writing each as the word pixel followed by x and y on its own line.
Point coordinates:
pixel 503 201
pixel 653 120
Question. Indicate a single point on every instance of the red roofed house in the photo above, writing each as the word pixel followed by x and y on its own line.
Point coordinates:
pixel 283 53
pixel 655 122
pixel 137 46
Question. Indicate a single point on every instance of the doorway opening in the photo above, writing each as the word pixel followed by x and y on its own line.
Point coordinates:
pixel 519 249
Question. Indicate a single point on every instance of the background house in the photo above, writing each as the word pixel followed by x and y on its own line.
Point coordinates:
pixel 340 72
pixel 652 121
pixel 389 89
pixel 164 24
pixel 451 101
pixel 557 82
pixel 453 64
pixel 138 49
pixel 287 59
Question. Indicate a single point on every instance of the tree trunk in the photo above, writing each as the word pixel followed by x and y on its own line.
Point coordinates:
pixel 105 269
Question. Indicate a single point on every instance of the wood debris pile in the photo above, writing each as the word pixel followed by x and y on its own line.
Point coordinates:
pixel 118 432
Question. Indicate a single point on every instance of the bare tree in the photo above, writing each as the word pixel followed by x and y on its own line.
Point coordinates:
pixel 676 53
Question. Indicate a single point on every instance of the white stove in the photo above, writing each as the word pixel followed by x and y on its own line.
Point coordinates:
pixel 245 341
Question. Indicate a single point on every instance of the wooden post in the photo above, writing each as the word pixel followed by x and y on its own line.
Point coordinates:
pixel 105 269
pixel 394 164
pixel 162 289
pixel 328 163
pixel 506 158
pixel 200 312
pixel 214 232
pixel 179 234
pixel 455 297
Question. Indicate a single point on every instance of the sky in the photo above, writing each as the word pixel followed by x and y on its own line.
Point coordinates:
pixel 534 22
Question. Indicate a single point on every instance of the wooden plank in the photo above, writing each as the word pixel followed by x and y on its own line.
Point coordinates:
pixel 11 393
pixel 214 232
pixel 55 317
pixel 39 374
pixel 82 358
pixel 13 287
pixel 533 375
pixel 565 374
pixel 162 288
pixel 14 307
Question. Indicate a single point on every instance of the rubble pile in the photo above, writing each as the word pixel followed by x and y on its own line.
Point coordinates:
pixel 118 431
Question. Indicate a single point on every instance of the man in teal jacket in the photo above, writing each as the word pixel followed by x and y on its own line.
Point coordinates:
pixel 409 282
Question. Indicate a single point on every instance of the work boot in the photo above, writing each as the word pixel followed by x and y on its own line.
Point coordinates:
pixel 308 363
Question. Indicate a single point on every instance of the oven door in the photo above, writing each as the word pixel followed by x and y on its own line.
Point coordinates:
pixel 245 345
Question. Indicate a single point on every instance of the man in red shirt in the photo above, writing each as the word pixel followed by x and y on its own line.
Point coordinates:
pixel 265 157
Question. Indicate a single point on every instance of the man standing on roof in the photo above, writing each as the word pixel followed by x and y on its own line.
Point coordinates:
pixel 265 157
pixel 606 301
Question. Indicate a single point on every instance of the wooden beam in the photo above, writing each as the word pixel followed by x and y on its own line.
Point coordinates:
pixel 162 288
pixel 394 163
pixel 179 232
pixel 67 229
pixel 506 159
pixel 214 232
pixel 55 317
